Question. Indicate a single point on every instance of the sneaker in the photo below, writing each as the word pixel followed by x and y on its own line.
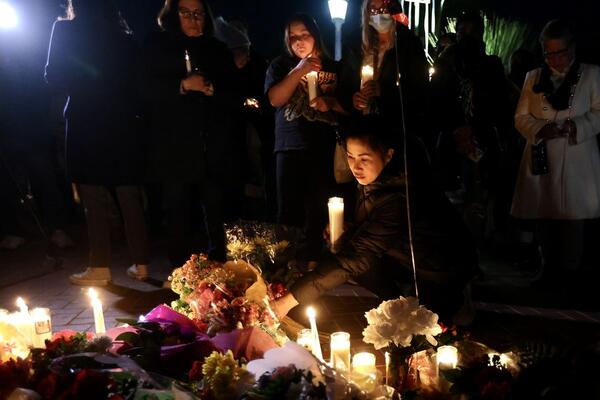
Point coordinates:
pixel 61 240
pixel 91 277
pixel 138 271
pixel 11 242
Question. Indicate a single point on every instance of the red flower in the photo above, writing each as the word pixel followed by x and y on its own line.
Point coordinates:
pixel 195 374
pixel 48 386
pixel 88 384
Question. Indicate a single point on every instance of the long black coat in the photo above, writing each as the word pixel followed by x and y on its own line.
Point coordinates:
pixel 378 244
pixel 97 68
pixel 190 134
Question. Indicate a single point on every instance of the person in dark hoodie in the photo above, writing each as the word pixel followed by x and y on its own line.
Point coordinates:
pixel 190 92
pixel 375 250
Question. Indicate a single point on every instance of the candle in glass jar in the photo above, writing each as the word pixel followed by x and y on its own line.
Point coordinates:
pixel 336 220
pixel 312 80
pixel 316 342
pixel 42 326
pixel 447 357
pixel 366 75
pixel 305 339
pixel 340 351
pixel 98 313
pixel 364 363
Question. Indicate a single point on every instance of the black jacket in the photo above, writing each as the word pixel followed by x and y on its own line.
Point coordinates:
pixel 189 133
pixel 444 252
pixel 97 68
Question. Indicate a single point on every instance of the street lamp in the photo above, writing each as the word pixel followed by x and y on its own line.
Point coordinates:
pixel 8 16
pixel 337 9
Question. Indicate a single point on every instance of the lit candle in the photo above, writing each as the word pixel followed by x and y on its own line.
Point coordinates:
pixel 98 313
pixel 364 363
pixel 431 72
pixel 366 75
pixel 22 321
pixel 340 351
pixel 305 339
pixel 447 357
pixel 503 359
pixel 336 220
pixel 316 344
pixel 188 63
pixel 312 78
pixel 42 326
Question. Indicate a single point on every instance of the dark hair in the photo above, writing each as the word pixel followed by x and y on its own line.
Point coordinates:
pixel 557 29
pixel 371 129
pixel 91 9
pixel 471 17
pixel 168 17
pixel 312 28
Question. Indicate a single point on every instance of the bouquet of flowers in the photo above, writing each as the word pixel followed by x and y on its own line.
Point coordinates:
pixel 223 297
pixel 266 246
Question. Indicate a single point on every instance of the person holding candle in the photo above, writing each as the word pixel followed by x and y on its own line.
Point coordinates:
pixel 191 124
pixel 375 250
pixel 94 60
pixel 304 129
pixel 389 51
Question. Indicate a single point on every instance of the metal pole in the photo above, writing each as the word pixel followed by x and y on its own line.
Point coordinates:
pixel 338 38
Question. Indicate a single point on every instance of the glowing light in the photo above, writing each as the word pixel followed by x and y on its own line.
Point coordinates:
pixel 8 16
pixel 337 9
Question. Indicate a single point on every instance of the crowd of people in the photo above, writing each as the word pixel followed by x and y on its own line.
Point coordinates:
pixel 195 125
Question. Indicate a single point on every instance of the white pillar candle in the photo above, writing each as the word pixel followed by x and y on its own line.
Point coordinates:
pixel 22 321
pixel 42 326
pixel 316 344
pixel 364 363
pixel 305 339
pixel 387 367
pixel 366 75
pixel 336 220
pixel 340 351
pixel 188 63
pixel 98 313
pixel 312 81
pixel 447 357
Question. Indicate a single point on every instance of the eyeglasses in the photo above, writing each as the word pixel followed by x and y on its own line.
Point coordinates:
pixel 557 54
pixel 188 14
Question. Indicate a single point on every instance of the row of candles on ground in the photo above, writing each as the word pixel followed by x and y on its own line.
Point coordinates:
pixel 35 326
pixel 364 362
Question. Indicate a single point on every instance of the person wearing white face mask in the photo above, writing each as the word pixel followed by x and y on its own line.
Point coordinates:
pixel 390 48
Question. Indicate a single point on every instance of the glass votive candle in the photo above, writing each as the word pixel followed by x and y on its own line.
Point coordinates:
pixel 447 357
pixel 364 363
pixel 305 339
pixel 340 351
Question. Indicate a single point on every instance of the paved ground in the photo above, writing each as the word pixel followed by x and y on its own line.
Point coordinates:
pixel 509 311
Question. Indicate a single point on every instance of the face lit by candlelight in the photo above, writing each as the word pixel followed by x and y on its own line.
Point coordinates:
pixel 365 162
pixel 191 17
pixel 302 42
pixel 559 54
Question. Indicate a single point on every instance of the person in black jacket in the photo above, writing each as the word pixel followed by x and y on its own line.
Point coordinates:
pixel 375 250
pixel 94 60
pixel 190 90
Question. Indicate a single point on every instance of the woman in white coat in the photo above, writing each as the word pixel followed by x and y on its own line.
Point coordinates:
pixel 559 178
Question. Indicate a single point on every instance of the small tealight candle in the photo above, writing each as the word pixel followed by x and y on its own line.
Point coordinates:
pixel 42 326
pixel 364 363
pixel 447 357
pixel 316 342
pixel 305 339
pixel 366 75
pixel 98 313
pixel 335 206
pixel 312 79
pixel 340 351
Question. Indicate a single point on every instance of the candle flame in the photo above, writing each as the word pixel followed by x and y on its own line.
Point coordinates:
pixel 336 200
pixel 367 70
pixel 22 305
pixel 92 293
pixel 310 312
pixel 187 56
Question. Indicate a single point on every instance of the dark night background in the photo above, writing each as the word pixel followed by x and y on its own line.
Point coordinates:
pixel 265 19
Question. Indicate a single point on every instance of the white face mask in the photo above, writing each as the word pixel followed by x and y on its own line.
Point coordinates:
pixel 381 22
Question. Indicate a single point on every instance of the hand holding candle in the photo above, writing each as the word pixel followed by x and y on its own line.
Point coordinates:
pixel 336 220
pixel 366 75
pixel 312 79
pixel 98 313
